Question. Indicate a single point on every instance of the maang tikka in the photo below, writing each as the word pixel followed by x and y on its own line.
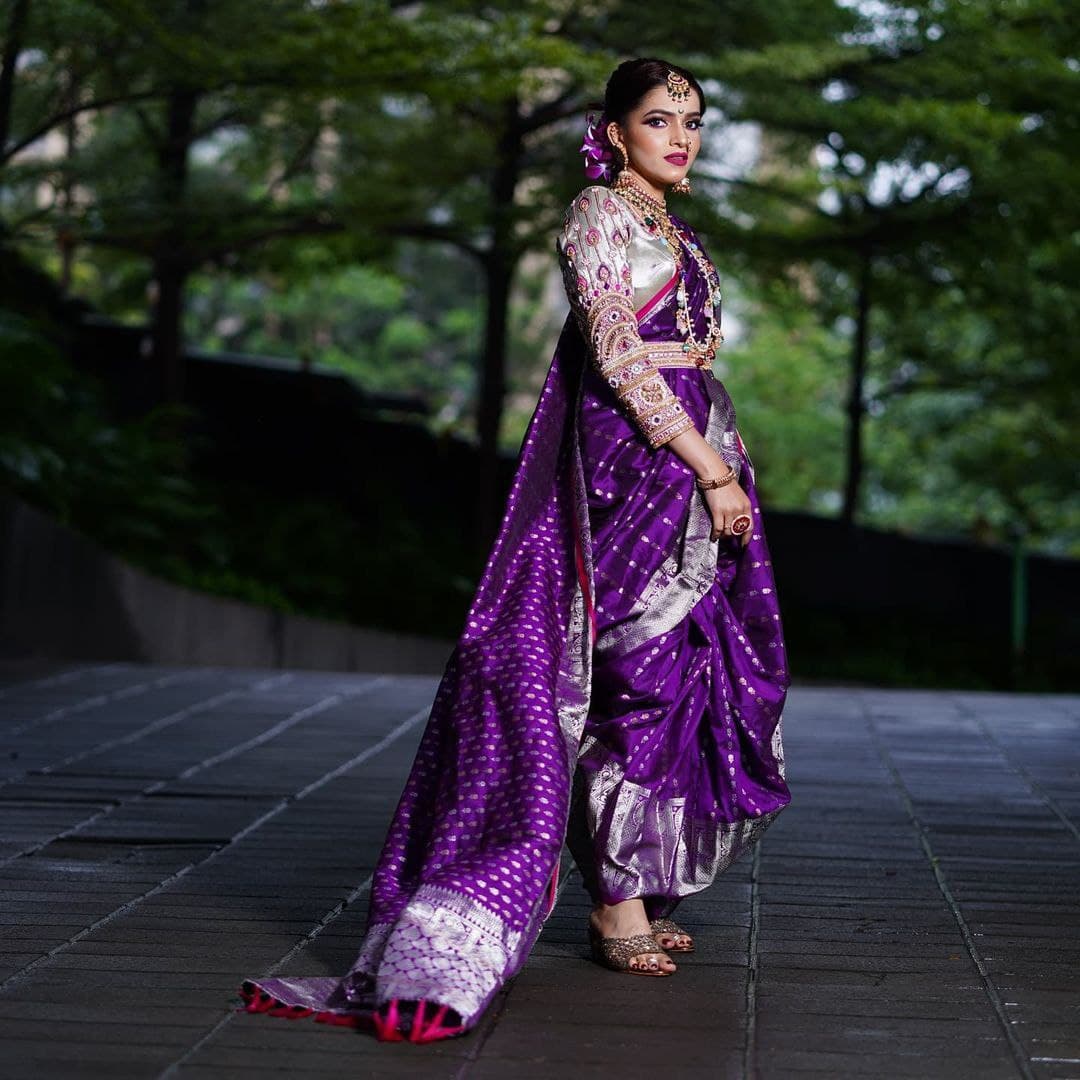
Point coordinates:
pixel 678 88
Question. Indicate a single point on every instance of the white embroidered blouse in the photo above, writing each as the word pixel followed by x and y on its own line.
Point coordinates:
pixel 612 267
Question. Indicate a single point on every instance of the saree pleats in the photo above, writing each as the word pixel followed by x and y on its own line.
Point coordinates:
pixel 681 763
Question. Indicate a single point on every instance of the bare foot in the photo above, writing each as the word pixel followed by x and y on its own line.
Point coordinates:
pixel 627 919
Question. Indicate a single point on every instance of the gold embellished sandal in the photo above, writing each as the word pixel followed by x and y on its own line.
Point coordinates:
pixel 616 952
pixel 660 927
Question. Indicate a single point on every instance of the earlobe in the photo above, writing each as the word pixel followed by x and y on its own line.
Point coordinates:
pixel 615 138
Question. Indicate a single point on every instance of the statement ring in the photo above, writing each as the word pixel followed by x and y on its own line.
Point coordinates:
pixel 740 524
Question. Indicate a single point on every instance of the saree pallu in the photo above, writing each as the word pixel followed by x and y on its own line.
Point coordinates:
pixel 613 653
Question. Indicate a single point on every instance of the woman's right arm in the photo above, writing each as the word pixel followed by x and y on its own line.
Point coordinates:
pixel 592 254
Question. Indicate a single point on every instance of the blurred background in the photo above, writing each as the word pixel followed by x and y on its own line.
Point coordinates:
pixel 278 292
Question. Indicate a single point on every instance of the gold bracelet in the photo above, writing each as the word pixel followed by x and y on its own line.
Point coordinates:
pixel 709 485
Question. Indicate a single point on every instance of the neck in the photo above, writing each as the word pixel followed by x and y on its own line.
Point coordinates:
pixel 628 176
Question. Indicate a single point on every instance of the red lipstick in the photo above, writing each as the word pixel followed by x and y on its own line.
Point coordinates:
pixel 677 159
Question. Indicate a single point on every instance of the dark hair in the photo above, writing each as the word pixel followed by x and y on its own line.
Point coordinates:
pixel 633 79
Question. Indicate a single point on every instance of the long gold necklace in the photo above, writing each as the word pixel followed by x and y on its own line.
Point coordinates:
pixel 654 217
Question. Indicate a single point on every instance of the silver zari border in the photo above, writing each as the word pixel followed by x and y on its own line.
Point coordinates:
pixel 693 850
pixel 448 948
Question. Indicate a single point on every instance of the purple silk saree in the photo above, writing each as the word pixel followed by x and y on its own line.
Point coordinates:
pixel 618 685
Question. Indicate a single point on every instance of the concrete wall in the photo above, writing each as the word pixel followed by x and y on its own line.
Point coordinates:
pixel 929 606
pixel 63 597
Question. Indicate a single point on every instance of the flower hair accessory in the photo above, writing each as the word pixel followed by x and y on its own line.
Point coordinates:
pixel 597 148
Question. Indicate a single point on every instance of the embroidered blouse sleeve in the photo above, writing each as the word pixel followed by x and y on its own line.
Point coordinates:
pixel 592 253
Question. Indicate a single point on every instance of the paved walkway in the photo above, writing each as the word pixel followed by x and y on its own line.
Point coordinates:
pixel 164 832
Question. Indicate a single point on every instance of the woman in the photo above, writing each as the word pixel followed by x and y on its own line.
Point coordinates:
pixel 621 675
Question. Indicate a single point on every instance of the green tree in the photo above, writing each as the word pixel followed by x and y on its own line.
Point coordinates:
pixel 920 165
pixel 784 376
pixel 204 128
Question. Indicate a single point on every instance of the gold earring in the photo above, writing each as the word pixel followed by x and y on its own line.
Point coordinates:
pixel 682 187
pixel 617 146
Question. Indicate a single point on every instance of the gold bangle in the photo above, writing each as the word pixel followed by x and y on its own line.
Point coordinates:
pixel 716 482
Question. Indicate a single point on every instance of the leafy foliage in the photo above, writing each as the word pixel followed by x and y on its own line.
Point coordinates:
pixel 362 184
pixel 124 484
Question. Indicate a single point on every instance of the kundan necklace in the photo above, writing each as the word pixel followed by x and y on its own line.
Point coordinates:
pixel 654 217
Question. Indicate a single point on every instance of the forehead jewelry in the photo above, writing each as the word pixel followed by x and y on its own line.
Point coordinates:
pixel 678 87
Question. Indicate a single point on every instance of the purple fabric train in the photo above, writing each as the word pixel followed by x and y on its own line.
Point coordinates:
pixel 618 684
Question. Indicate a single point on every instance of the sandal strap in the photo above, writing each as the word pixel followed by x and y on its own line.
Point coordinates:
pixel 618 950
pixel 666 926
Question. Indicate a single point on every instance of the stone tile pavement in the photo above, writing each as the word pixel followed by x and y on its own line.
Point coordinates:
pixel 163 833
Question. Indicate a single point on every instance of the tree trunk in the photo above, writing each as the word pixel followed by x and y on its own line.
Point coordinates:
pixel 170 277
pixel 12 47
pixel 171 260
pixel 856 406
pixel 499 270
pixel 65 239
